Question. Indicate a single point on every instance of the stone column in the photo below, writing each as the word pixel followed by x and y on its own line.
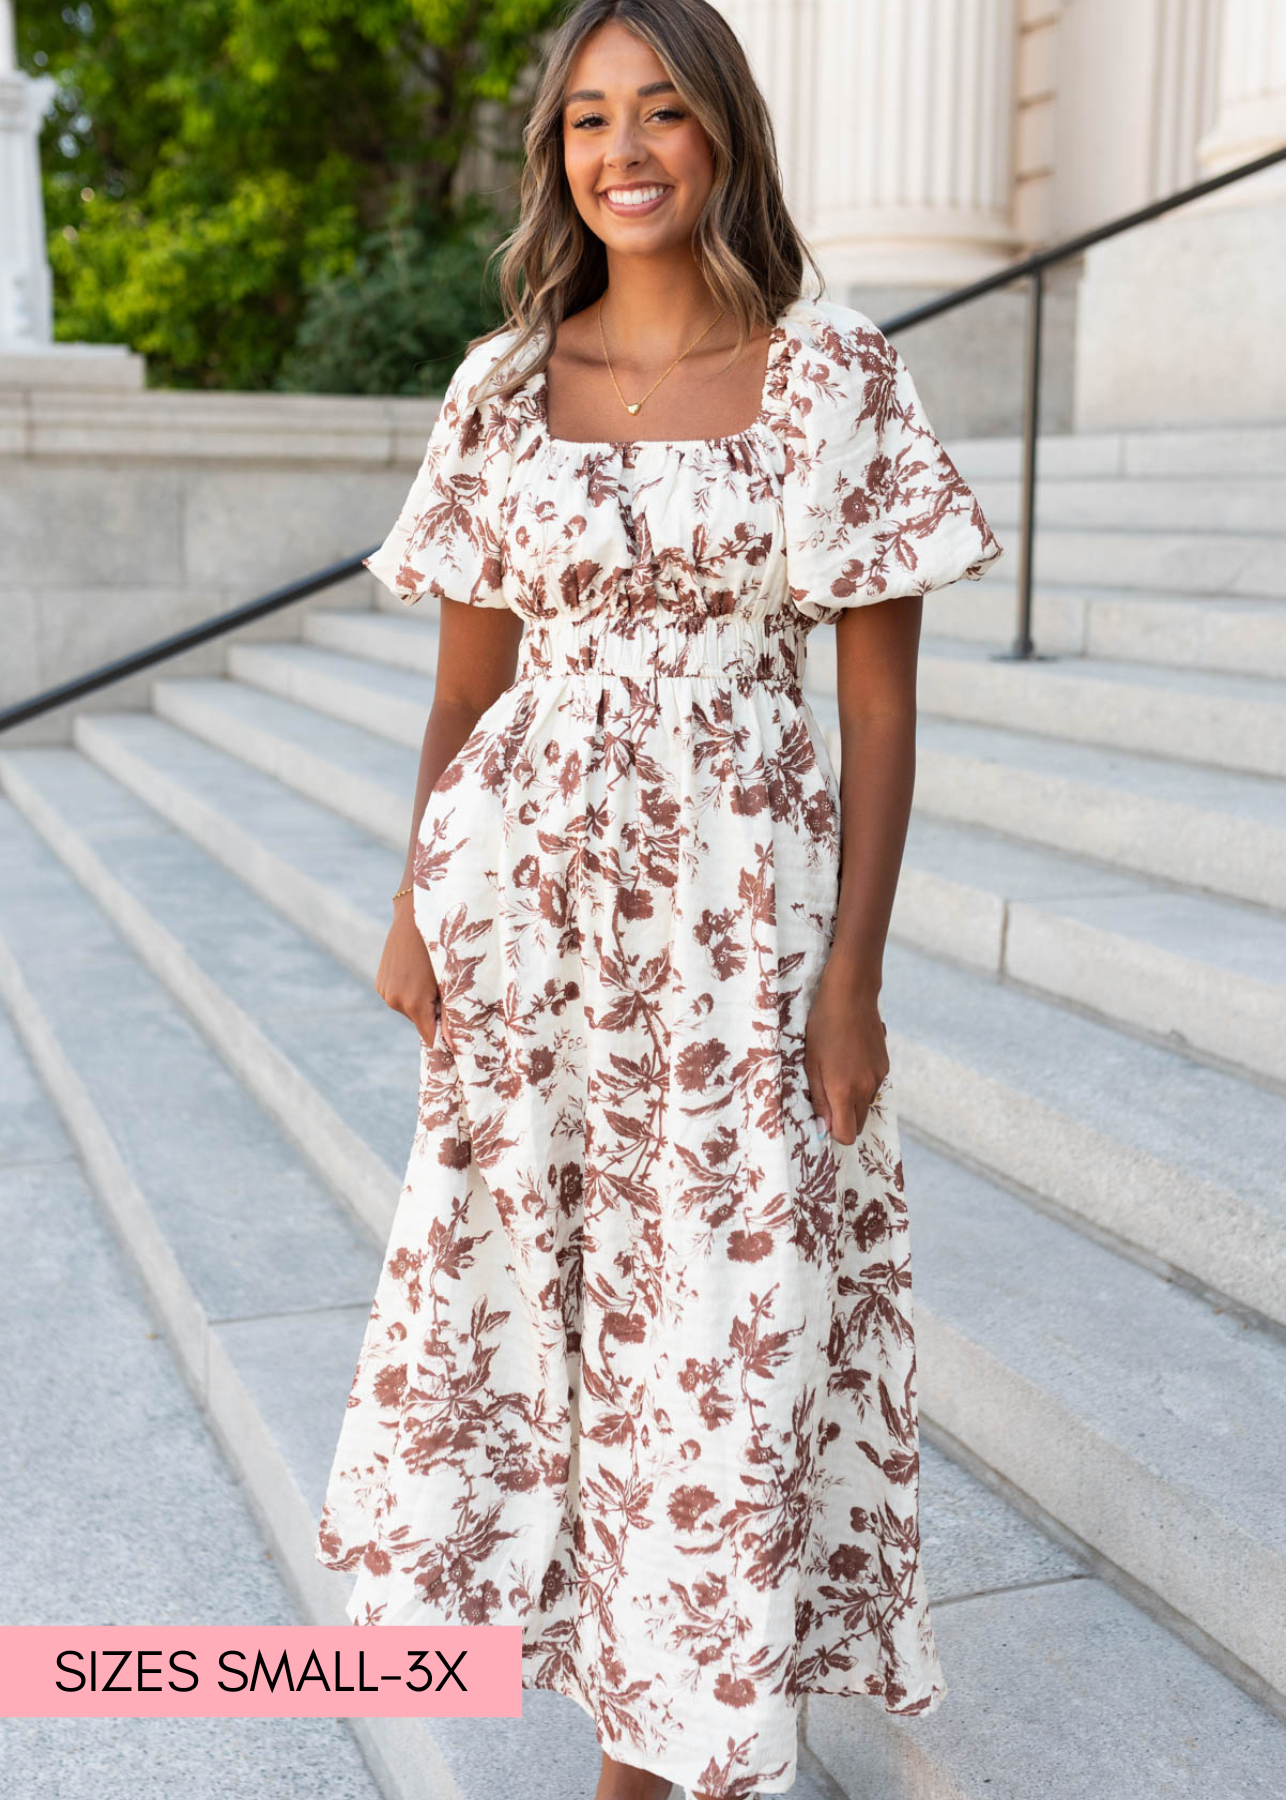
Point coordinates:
pixel 26 318
pixel 1180 320
pixel 29 357
pixel 1251 118
pixel 895 123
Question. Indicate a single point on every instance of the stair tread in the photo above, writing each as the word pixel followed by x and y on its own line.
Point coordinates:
pixel 1188 1391
pixel 1198 451
pixel 313 838
pixel 1126 773
pixel 1226 934
pixel 140 1060
pixel 1262 690
pixel 358 1057
pixel 1206 1122
pixel 181 1546
pixel 1099 1702
pixel 368 753
pixel 1230 935
pixel 1259 798
pixel 315 660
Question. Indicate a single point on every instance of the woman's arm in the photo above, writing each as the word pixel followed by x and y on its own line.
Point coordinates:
pixel 477 660
pixel 845 1057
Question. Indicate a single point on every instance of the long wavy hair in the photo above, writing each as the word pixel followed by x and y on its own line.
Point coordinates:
pixel 747 246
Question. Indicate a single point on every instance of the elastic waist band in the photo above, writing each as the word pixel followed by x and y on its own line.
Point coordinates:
pixel 646 647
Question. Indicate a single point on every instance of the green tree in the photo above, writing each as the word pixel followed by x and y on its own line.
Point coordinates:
pixel 227 180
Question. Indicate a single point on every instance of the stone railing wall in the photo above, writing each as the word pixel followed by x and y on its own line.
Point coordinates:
pixel 126 515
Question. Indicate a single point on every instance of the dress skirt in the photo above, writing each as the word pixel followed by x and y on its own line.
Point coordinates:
pixel 640 1374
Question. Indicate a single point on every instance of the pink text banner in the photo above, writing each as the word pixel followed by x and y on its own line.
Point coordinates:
pixel 259 1672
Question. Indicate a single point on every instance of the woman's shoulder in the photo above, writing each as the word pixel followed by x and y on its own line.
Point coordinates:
pixel 480 361
pixel 845 343
pixel 837 369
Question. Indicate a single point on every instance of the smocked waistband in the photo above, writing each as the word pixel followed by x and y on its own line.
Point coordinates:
pixel 646 647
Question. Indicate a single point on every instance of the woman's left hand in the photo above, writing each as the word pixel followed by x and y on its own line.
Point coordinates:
pixel 845 1052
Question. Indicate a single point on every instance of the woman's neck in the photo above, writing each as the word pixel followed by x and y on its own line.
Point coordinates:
pixel 654 305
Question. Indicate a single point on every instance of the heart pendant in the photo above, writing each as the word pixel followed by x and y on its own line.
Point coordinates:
pixel 634 408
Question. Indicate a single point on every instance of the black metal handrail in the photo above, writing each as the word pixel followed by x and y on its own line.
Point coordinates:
pixel 182 640
pixel 1032 268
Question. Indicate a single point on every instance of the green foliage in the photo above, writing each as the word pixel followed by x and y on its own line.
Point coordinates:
pixel 228 180
pixel 397 321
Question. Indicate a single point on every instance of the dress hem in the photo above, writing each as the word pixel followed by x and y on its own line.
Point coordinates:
pixel 686 1785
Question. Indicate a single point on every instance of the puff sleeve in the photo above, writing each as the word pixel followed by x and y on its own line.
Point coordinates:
pixel 874 508
pixel 448 540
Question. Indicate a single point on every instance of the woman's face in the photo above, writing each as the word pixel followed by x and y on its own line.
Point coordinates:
pixel 638 163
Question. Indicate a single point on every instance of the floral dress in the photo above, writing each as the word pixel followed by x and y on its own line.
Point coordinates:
pixel 639 1375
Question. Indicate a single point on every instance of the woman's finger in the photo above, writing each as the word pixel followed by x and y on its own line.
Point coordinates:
pixel 818 1096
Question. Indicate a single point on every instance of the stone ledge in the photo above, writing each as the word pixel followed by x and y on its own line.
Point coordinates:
pixel 76 422
pixel 57 366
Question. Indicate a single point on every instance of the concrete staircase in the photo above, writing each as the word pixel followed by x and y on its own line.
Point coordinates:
pixel 1086 997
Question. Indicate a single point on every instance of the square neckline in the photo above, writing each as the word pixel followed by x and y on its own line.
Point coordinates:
pixel 776 338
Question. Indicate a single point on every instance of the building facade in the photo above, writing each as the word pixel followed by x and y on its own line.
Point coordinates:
pixel 925 143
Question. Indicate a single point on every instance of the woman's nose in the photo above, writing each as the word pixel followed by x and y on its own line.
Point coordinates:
pixel 624 145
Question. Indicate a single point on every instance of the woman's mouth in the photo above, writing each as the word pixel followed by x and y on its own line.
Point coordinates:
pixel 633 201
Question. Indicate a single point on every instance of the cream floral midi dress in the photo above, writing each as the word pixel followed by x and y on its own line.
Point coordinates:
pixel 639 1375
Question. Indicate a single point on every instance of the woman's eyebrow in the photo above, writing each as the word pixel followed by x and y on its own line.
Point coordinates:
pixel 653 87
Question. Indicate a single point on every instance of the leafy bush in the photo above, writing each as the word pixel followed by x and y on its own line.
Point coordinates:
pixel 256 193
pixel 398 320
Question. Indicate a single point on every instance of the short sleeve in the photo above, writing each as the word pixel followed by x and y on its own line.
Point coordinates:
pixel 448 540
pixel 874 508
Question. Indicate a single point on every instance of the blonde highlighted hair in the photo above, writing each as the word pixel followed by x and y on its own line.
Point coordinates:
pixel 746 244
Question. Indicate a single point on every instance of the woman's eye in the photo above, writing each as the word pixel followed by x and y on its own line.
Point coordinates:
pixel 663 113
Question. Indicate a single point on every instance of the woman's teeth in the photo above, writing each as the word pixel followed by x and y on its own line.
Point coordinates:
pixel 634 196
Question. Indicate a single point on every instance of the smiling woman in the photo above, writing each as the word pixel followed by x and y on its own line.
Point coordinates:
pixel 640 1372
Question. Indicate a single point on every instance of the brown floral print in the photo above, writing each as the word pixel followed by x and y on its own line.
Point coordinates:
pixel 639 1374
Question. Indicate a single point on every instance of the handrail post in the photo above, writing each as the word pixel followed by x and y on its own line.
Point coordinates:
pixel 1023 649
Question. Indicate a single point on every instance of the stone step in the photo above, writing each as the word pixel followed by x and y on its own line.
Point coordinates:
pixel 1202 970
pixel 1171 1159
pixel 150 1522
pixel 1238 637
pixel 405 641
pixel 1219 564
pixel 306 860
pixel 359 773
pixel 985 1066
pixel 1195 971
pixel 259 1277
pixel 1209 828
pixel 1128 1408
pixel 311 1040
pixel 1200 452
pixel 1218 505
pixel 1241 637
pixel 1057 1690
pixel 1224 721
pixel 390 700
pixel 1190 715
pixel 376 676
pixel 1212 829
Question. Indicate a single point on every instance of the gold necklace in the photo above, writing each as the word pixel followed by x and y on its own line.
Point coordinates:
pixel 633 406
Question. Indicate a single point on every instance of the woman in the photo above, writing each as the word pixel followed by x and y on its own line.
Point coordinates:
pixel 640 1374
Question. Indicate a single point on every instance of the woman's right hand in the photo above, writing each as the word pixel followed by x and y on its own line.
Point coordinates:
pixel 405 980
